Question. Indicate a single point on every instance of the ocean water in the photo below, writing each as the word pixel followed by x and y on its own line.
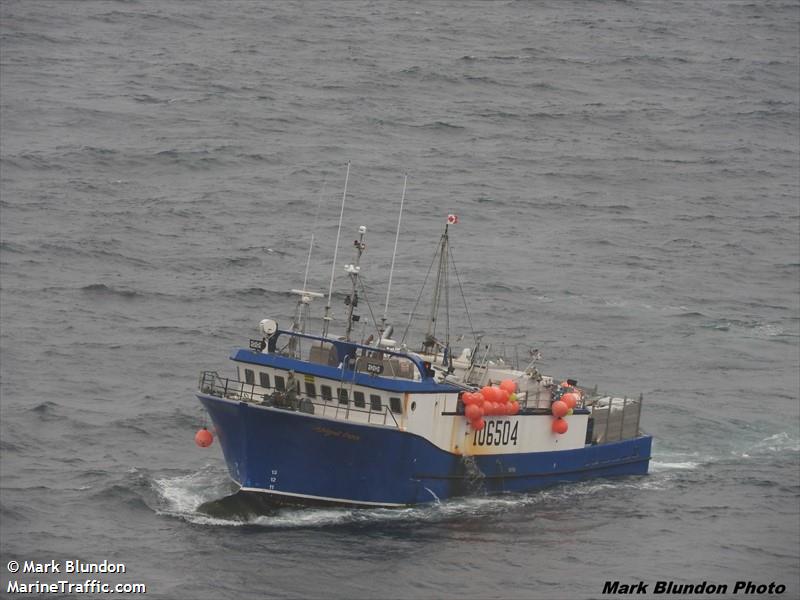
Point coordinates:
pixel 626 178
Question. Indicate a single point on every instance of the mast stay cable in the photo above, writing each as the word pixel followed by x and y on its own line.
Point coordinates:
pixel 416 303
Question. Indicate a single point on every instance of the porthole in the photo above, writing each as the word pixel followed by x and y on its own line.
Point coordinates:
pixel 413 406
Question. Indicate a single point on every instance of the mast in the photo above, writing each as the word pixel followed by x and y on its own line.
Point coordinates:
pixel 353 270
pixel 302 308
pixel 302 312
pixel 440 293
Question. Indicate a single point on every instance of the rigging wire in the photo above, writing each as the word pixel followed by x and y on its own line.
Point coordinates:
pixel 463 297
pixel 413 310
pixel 369 306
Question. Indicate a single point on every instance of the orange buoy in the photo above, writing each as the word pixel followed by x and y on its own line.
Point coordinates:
pixel 478 424
pixel 468 398
pixel 498 395
pixel 514 407
pixel 203 438
pixel 473 412
pixel 502 395
pixel 560 426
pixel 559 409
pixel 570 399
pixel 508 385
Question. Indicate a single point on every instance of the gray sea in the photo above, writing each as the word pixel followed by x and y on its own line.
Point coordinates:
pixel 626 176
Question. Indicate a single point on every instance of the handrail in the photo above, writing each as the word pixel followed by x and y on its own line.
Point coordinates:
pixel 624 412
pixel 233 389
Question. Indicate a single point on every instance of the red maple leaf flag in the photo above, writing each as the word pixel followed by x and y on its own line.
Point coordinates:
pixel 452 219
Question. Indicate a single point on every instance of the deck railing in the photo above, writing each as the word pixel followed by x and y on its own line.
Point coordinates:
pixel 233 389
pixel 615 419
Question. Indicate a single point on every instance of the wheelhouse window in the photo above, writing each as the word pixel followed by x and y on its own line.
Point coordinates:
pixel 358 399
pixel 323 353
pixel 264 378
pixel 280 383
pixel 311 390
pixel 396 405
pixel 375 403
pixel 343 399
pixel 249 376
pixel 327 393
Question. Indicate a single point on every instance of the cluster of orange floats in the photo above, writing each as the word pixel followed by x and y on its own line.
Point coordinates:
pixel 502 400
pixel 561 408
pixel 490 401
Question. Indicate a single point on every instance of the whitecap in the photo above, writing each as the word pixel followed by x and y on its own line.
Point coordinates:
pixel 779 442
pixel 181 496
pixel 657 466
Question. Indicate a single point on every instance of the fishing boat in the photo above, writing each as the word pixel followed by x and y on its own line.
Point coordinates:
pixel 322 418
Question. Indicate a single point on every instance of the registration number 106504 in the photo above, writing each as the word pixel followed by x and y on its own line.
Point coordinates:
pixel 496 433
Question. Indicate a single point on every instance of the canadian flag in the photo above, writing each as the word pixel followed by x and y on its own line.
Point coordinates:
pixel 452 219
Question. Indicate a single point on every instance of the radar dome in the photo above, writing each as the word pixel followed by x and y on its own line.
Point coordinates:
pixel 268 327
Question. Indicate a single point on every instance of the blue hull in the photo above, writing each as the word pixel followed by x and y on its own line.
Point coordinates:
pixel 301 458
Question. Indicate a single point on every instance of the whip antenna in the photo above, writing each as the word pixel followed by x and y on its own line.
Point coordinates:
pixel 327 317
pixel 394 254
pixel 313 231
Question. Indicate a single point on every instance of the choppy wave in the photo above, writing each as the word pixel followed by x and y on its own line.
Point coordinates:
pixel 755 328
pixel 775 445
pixel 103 290
pixel 181 496
pixel 779 443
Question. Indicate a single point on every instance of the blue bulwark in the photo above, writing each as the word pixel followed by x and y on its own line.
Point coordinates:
pixel 277 361
pixel 345 351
